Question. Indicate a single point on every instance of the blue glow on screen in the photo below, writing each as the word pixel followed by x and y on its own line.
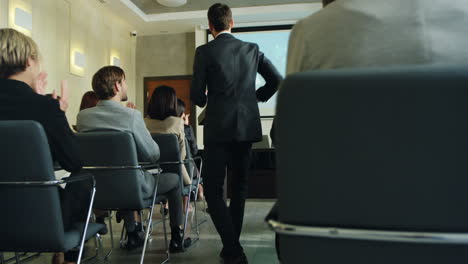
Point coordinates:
pixel 274 44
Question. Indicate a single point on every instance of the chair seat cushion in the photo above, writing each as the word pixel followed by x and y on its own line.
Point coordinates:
pixel 72 236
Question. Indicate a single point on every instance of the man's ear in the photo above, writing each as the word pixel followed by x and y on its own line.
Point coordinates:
pixel 117 87
pixel 29 62
pixel 231 24
pixel 210 26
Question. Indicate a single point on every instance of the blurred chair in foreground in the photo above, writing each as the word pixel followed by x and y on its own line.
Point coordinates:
pixel 381 175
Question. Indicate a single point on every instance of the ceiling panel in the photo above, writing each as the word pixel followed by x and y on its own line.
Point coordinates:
pixel 153 7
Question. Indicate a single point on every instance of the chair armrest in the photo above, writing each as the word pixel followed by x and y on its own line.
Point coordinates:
pixel 149 165
pixel 51 183
pixel 369 234
pixel 77 178
pixel 112 167
pixel 174 162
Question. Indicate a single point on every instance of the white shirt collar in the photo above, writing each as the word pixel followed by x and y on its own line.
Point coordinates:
pixel 223 32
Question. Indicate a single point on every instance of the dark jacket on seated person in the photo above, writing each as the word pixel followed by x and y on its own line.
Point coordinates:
pixel 190 136
pixel 20 102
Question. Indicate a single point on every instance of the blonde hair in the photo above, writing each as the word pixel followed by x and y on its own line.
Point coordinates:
pixel 15 49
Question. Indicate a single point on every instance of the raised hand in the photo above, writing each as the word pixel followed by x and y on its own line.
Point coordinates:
pixel 131 105
pixel 40 83
pixel 63 99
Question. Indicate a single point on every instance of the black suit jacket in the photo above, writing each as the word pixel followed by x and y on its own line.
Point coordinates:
pixel 227 67
pixel 20 102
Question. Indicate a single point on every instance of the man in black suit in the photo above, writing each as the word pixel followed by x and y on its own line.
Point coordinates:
pixel 227 68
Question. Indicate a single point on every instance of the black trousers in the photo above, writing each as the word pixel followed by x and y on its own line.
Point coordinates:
pixel 228 221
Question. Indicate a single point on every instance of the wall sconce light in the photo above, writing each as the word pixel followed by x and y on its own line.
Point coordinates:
pixel 23 19
pixel 80 59
pixel 77 62
pixel 115 61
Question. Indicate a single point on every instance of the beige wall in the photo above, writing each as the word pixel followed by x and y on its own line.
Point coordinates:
pixel 60 26
pixel 163 55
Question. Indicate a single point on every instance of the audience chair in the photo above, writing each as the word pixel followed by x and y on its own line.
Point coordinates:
pixel 383 164
pixel 195 174
pixel 31 209
pixel 111 157
pixel 171 161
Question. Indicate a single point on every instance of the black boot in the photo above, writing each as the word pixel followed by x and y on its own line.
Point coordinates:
pixel 136 238
pixel 176 245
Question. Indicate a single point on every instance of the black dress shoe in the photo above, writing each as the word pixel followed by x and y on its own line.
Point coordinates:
pixel 239 259
pixel 177 245
pixel 135 239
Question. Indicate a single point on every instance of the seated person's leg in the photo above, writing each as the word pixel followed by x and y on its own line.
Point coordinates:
pixel 100 217
pixel 74 199
pixel 169 186
pixel 133 226
pixel 132 219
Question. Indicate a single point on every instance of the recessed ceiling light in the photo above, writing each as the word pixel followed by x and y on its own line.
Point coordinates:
pixel 172 3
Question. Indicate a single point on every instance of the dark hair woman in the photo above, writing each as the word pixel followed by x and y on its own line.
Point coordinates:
pixel 89 99
pixel 162 119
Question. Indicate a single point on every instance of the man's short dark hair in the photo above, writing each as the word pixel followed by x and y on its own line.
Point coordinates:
pixel 180 107
pixel 220 16
pixel 104 81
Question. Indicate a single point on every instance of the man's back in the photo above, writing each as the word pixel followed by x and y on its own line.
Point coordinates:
pixel 110 115
pixel 366 33
pixel 229 67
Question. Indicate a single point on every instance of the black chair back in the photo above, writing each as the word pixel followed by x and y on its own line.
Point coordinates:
pixel 118 188
pixel 31 217
pixel 382 149
pixel 170 152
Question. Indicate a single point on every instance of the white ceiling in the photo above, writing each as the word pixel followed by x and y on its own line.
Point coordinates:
pixel 153 7
pixel 174 20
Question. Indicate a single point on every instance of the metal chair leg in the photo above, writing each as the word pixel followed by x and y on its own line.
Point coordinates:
pixel 123 236
pixel 150 219
pixel 17 258
pixel 1 258
pixel 187 206
pixel 168 257
pixel 110 230
pixel 195 212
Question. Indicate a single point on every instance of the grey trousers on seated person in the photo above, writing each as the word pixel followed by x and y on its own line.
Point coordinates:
pixel 169 185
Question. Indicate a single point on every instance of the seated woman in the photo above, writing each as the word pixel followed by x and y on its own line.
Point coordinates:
pixel 23 88
pixel 189 135
pixel 89 100
pixel 162 119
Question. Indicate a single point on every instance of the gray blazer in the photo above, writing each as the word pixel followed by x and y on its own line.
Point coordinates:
pixel 368 33
pixel 111 115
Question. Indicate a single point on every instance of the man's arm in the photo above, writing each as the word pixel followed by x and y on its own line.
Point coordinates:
pixel 147 149
pixel 198 89
pixel 271 76
pixel 62 141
